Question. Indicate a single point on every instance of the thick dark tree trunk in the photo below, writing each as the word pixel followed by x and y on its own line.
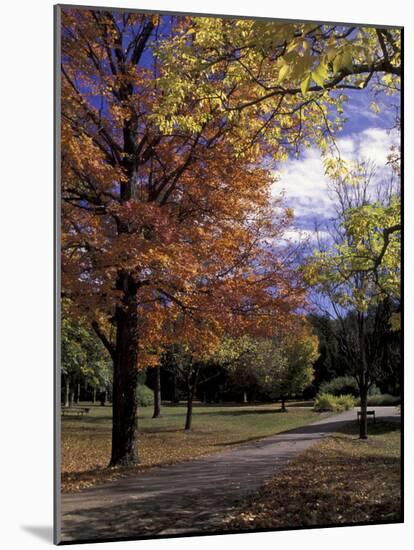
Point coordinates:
pixel 125 378
pixel 283 407
pixel 157 393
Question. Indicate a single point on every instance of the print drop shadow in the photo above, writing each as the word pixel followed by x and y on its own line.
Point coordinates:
pixel 42 532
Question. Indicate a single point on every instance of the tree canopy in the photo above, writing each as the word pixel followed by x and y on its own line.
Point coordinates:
pixel 171 126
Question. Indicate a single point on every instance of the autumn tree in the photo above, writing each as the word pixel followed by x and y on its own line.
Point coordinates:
pixel 357 273
pixel 277 86
pixel 168 127
pixel 195 369
pixel 300 351
pixel 284 362
pixel 239 355
pixel 280 365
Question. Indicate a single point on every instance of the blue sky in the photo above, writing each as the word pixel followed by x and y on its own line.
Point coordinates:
pixel 366 135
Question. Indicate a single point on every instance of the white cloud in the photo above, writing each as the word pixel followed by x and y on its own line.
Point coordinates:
pixel 305 185
pixel 346 146
pixel 370 144
pixel 375 145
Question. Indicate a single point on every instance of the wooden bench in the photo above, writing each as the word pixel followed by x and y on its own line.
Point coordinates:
pixel 80 411
pixel 369 413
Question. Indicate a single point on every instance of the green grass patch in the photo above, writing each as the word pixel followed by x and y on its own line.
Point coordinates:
pixel 86 441
pixel 342 480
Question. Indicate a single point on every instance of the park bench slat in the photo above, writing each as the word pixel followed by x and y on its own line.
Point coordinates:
pixel 369 413
pixel 75 410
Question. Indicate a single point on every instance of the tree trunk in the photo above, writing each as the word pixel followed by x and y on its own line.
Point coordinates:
pixel 189 416
pixel 103 398
pixel 363 379
pixel 157 393
pixel 94 394
pixel 283 408
pixel 191 391
pixel 77 393
pixel 71 396
pixel 125 377
pixel 67 391
pixel 245 397
pixel 174 398
pixel 363 420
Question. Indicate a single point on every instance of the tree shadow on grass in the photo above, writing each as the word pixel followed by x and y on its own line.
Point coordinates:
pixel 180 410
pixel 241 412
pixel 350 426
pixel 385 425
pixel 86 419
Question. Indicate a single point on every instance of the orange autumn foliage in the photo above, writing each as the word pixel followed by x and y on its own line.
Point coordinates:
pixel 191 225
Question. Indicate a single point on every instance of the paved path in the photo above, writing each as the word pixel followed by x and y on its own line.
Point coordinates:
pixel 193 496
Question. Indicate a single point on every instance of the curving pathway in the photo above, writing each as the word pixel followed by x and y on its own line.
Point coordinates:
pixel 190 497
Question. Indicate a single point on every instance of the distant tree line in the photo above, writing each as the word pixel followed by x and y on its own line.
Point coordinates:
pixel 243 371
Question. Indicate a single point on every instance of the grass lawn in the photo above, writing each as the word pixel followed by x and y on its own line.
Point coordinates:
pixel 86 441
pixel 341 480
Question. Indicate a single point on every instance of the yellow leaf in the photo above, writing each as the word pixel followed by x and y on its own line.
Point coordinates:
pixel 305 84
pixel 283 72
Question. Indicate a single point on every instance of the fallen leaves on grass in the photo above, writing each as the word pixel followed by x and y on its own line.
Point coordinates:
pixel 85 465
pixel 342 480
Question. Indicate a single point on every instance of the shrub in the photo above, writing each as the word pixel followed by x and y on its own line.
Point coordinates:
pixel 342 385
pixel 346 401
pixel 145 396
pixel 382 400
pixel 335 403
